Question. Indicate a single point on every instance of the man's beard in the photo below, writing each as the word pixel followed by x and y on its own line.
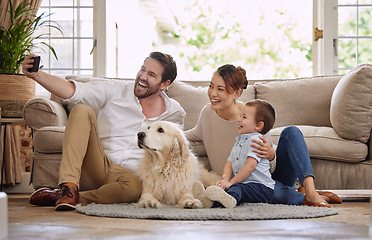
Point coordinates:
pixel 149 91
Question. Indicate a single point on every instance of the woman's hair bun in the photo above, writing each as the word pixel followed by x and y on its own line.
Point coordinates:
pixel 243 72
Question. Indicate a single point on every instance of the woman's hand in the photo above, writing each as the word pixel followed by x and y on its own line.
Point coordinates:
pixel 263 149
pixel 224 184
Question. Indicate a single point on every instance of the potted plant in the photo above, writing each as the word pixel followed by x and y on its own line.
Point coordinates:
pixel 16 42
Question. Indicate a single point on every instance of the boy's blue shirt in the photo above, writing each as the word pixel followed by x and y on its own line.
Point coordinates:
pixel 238 157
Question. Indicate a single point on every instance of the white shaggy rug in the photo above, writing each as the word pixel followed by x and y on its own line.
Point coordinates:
pixel 247 211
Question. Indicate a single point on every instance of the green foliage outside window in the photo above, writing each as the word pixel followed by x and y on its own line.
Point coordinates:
pixel 347 48
pixel 211 39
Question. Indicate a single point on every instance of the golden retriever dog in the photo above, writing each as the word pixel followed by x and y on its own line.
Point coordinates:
pixel 169 169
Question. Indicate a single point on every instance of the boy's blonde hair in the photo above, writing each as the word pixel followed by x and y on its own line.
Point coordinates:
pixel 265 112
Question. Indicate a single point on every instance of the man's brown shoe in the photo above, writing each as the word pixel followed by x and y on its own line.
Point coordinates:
pixel 68 200
pixel 45 197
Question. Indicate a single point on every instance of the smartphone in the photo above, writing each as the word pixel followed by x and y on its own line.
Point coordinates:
pixel 36 64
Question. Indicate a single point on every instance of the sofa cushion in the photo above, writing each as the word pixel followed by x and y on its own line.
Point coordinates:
pixel 248 94
pixel 191 98
pixel 193 95
pixel 48 139
pixel 299 101
pixel 351 106
pixel 325 143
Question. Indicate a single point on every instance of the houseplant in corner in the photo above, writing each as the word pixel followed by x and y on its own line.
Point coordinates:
pixel 17 40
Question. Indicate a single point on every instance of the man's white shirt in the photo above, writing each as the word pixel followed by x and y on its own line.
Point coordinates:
pixel 120 118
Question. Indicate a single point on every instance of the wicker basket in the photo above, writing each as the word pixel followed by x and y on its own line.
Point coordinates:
pixel 15 91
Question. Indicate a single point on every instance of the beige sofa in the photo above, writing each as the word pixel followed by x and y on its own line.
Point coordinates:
pixel 333 112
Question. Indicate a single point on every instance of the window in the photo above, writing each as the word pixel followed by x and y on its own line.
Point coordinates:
pixel 347 35
pixel 354 33
pixel 74 47
pixel 269 38
pixel 130 29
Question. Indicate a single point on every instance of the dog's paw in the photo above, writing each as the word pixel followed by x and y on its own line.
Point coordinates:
pixel 192 203
pixel 149 203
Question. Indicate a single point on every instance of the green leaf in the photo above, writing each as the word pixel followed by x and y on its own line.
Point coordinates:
pixel 17 41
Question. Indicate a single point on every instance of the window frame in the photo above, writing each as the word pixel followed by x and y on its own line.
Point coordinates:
pixel 99 26
pixel 325 19
pixel 325 59
pixel 99 21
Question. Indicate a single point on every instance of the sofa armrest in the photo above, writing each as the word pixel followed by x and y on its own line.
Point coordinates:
pixel 41 112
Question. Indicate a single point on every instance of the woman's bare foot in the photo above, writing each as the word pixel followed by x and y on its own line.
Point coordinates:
pixel 312 197
pixel 315 200
pixel 333 198
pixel 330 197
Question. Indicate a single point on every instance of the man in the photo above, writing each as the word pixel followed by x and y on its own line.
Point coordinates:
pixel 100 149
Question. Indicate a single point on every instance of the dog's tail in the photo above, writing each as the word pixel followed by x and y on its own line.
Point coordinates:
pixel 208 178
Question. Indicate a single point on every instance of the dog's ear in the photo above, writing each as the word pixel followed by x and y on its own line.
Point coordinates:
pixel 180 147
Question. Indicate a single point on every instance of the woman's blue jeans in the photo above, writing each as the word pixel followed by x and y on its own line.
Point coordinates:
pixel 292 162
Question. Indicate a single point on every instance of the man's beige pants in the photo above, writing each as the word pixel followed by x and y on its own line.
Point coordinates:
pixel 85 163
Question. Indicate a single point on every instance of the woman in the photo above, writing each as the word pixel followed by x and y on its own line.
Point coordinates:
pixel 217 129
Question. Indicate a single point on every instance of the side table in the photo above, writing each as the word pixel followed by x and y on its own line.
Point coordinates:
pixel 11 167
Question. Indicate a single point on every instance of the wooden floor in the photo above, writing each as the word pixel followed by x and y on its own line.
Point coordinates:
pixel 31 222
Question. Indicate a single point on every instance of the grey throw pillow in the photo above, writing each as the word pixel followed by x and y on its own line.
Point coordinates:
pixel 351 104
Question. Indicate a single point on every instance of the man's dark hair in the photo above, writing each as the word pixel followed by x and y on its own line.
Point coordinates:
pixel 170 67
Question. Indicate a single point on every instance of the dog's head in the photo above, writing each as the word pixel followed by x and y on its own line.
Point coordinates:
pixel 164 137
